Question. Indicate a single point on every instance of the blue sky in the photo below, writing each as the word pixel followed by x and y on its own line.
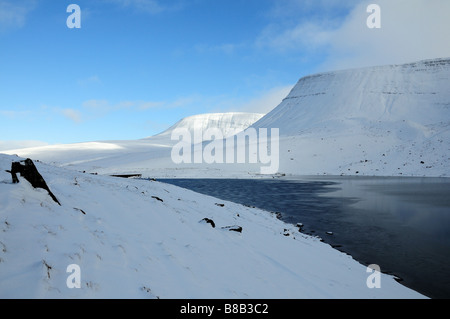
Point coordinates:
pixel 135 67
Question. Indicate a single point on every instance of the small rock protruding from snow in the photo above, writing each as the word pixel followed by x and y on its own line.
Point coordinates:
pixel 209 221
pixel 157 198
pixel 277 214
pixel 233 228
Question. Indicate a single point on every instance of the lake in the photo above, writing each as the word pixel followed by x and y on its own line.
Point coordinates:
pixel 402 224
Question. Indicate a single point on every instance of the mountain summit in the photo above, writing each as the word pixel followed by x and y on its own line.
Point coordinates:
pixel 228 123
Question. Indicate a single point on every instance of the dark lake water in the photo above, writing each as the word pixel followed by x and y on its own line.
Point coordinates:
pixel 401 224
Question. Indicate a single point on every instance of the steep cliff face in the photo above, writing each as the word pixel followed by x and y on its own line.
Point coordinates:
pixel 386 120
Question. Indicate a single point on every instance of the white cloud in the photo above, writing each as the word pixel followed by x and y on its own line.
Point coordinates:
pixel 72 114
pixel 102 106
pixel 12 114
pixel 410 30
pixel 149 105
pixel 262 102
pixel 94 79
pixel 96 104
pixel 265 102
pixel 295 8
pixel 151 6
pixel 307 36
pixel 13 14
pixel 225 48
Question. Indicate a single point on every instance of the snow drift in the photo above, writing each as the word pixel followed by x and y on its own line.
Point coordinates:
pixel 145 239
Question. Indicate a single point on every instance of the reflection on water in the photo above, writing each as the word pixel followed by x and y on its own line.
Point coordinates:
pixel 401 224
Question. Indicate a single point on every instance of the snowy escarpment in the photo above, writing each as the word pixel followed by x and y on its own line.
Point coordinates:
pixel 229 123
pixel 388 120
pixel 146 239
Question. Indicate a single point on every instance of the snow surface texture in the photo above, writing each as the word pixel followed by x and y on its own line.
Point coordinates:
pixel 145 239
pixel 379 121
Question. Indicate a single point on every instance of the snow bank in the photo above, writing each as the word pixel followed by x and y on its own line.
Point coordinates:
pixel 146 239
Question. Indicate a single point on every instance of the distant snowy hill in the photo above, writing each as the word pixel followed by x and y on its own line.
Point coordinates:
pixel 145 239
pixel 228 123
pixel 387 120
pixel 150 156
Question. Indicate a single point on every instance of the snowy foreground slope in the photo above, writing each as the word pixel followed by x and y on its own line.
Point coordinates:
pixel 380 121
pixel 388 121
pixel 145 239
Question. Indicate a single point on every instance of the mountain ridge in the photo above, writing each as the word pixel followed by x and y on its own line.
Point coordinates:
pixel 387 120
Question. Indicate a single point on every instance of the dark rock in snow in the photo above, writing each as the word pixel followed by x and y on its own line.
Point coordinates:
pixel 80 210
pixel 209 221
pixel 277 215
pixel 128 175
pixel 233 228
pixel 29 171
pixel 157 198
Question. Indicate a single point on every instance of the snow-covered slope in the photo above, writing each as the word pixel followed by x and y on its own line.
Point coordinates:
pixel 387 120
pixel 149 156
pixel 143 239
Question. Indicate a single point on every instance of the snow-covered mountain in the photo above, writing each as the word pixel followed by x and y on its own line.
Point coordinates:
pixel 379 121
pixel 387 120
pixel 229 123
pixel 143 239
pixel 122 238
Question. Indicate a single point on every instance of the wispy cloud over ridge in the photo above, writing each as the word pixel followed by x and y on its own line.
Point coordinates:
pixel 411 30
